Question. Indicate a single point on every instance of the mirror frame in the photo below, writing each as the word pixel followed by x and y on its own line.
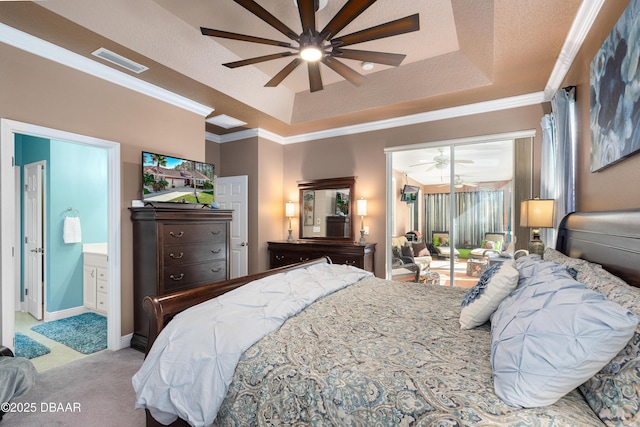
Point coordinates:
pixel 329 184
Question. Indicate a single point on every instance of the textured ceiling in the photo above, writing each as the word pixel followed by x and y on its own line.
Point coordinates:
pixel 467 51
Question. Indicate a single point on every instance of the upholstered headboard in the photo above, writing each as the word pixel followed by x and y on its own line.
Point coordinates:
pixel 611 239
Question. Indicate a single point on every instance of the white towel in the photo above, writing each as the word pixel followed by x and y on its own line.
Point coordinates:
pixel 72 232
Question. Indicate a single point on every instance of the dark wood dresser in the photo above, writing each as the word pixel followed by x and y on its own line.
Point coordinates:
pixel 350 253
pixel 174 249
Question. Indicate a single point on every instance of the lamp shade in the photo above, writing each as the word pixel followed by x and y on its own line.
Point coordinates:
pixel 289 209
pixel 361 208
pixel 536 213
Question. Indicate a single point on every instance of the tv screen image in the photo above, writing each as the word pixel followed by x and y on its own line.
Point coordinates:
pixel 175 180
pixel 410 193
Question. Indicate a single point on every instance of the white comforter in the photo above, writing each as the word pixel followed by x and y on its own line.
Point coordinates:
pixel 191 364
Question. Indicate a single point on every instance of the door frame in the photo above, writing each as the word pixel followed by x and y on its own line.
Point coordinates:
pixel 10 246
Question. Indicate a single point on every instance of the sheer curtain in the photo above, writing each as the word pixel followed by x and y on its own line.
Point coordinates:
pixel 558 159
pixel 478 212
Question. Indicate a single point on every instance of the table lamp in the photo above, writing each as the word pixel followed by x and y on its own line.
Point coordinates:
pixel 361 209
pixel 537 214
pixel 289 211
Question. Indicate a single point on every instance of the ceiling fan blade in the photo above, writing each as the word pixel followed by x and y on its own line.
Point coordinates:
pixel 257 59
pixel 315 80
pixel 421 164
pixel 263 14
pixel 344 70
pixel 464 161
pixel 392 28
pixel 242 37
pixel 348 13
pixel 307 15
pixel 393 59
pixel 278 78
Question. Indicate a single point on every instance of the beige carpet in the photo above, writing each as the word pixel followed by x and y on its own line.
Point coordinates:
pixel 93 391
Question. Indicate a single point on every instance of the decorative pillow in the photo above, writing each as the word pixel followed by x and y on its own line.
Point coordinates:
pixel 584 269
pixel 482 300
pixel 420 249
pixel 614 392
pixel 436 241
pixel 552 335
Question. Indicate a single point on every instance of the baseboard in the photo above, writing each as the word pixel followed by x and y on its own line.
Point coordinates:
pixel 63 314
pixel 125 341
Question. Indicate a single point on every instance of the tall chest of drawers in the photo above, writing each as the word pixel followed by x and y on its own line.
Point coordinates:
pixel 174 249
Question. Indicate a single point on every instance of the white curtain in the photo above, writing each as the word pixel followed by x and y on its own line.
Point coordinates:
pixel 477 213
pixel 558 159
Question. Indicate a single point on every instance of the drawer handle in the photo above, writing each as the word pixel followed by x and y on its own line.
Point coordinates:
pixel 304 259
pixel 172 277
pixel 177 256
pixel 216 270
pixel 279 257
pixel 216 251
pixel 180 234
pixel 216 232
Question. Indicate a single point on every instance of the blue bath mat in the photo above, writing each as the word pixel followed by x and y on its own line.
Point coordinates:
pixel 28 347
pixel 86 333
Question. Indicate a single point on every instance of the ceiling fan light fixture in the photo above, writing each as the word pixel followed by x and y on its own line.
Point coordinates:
pixel 311 53
pixel 366 65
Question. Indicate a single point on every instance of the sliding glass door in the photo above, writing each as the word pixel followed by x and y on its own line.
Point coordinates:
pixel 467 198
pixel 473 208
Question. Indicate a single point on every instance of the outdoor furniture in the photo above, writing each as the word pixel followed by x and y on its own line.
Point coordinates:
pixel 441 245
pixel 491 246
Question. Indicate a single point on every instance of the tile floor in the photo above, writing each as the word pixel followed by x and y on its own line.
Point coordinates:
pixel 60 353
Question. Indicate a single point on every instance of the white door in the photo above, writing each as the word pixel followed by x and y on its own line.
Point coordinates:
pixel 232 193
pixel 33 238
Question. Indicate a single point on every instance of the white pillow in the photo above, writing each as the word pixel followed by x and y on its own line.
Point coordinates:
pixel 552 335
pixel 482 300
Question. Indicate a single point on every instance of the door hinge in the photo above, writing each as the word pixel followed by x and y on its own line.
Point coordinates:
pixel 26 291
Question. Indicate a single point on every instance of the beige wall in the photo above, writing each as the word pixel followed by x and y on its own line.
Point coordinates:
pixel 616 186
pixel 40 92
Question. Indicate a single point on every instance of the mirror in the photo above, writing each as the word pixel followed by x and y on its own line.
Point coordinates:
pixel 327 208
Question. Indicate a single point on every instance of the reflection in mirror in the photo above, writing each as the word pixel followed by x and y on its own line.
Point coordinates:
pixel 326 208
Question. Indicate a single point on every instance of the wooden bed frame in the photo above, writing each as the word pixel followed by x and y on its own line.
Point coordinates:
pixel 611 239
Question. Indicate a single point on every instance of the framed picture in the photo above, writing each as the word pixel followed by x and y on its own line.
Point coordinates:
pixel 308 206
pixel 615 92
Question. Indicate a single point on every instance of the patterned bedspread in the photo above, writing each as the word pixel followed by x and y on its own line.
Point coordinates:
pixel 380 353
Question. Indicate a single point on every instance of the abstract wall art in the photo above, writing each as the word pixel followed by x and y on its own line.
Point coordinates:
pixel 615 92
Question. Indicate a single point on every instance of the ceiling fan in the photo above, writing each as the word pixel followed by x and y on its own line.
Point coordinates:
pixel 442 161
pixel 459 183
pixel 315 47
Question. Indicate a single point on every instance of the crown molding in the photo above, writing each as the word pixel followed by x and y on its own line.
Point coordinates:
pixel 579 29
pixel 430 116
pixel 50 51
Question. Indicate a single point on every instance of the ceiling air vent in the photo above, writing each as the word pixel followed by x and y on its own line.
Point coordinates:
pixel 120 60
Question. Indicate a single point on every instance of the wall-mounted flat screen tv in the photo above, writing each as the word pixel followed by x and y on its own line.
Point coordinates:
pixel 167 179
pixel 410 193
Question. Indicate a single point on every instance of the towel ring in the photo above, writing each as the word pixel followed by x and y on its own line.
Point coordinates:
pixel 71 213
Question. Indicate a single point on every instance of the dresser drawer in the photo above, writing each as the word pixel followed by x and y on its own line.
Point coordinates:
pixel 279 259
pixel 178 277
pixel 102 302
pixel 347 260
pixel 179 233
pixel 175 255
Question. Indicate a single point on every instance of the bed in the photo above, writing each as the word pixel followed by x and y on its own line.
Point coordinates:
pixel 376 352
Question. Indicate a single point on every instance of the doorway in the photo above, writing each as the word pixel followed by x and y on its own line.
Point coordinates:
pixel 468 188
pixel 9 219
